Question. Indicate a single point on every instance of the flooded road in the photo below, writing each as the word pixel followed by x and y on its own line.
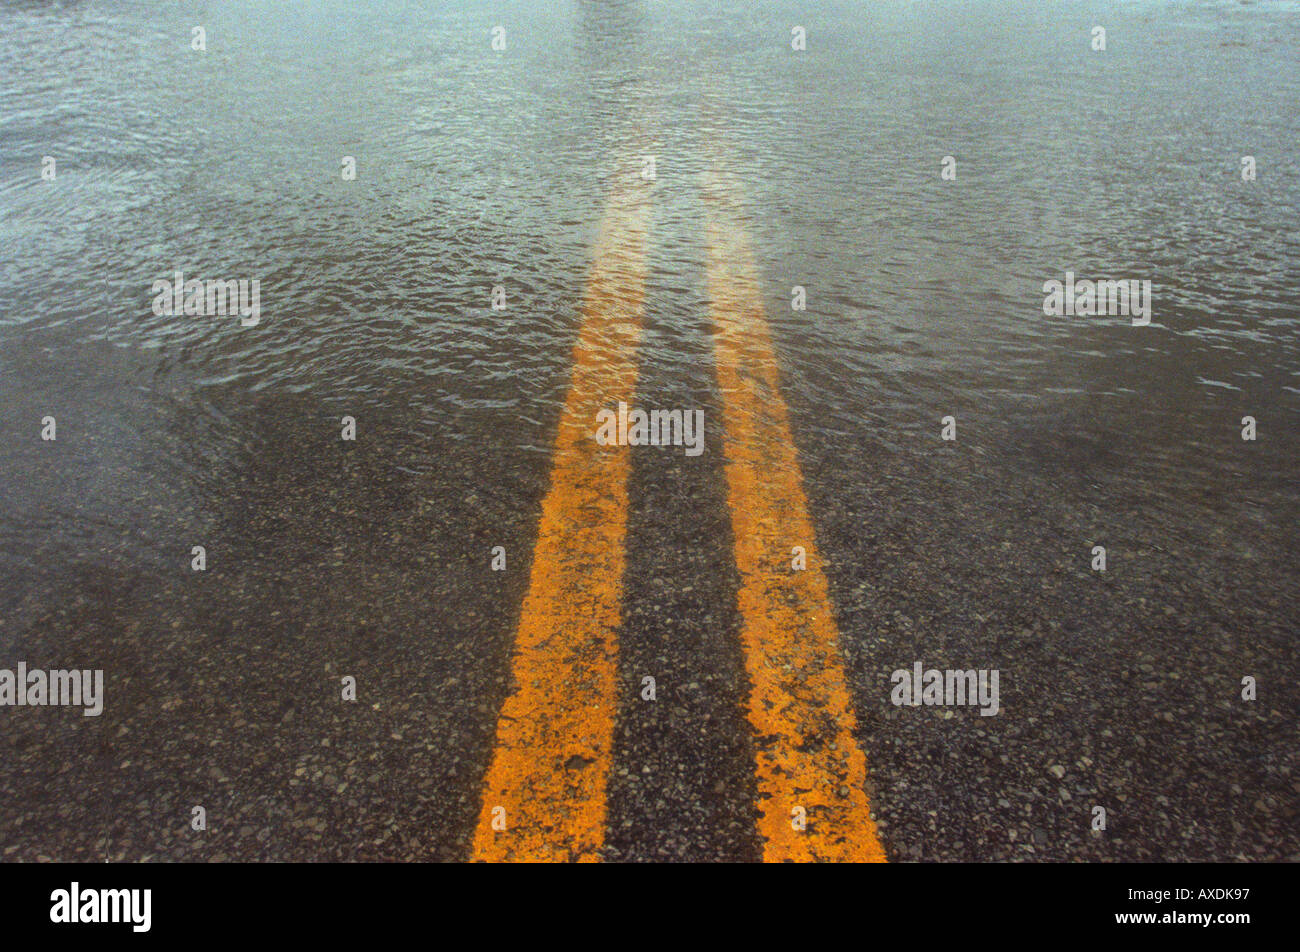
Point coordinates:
pixel 828 251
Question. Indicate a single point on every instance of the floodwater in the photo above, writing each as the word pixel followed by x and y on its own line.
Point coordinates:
pixel 479 167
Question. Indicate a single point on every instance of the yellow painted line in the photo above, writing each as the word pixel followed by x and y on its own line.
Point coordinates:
pixel 547 779
pixel 806 756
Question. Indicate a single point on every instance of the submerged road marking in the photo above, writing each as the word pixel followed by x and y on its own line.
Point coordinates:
pixel 806 756
pixel 555 733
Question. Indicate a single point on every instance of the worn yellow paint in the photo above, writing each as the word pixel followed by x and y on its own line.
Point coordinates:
pixel 806 753
pixel 555 733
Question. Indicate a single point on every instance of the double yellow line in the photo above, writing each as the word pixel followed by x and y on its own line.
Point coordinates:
pixel 544 792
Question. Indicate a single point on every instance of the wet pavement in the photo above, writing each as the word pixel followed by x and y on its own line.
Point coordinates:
pixel 476 167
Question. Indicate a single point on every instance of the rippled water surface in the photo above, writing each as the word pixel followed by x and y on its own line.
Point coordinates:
pixel 478 168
